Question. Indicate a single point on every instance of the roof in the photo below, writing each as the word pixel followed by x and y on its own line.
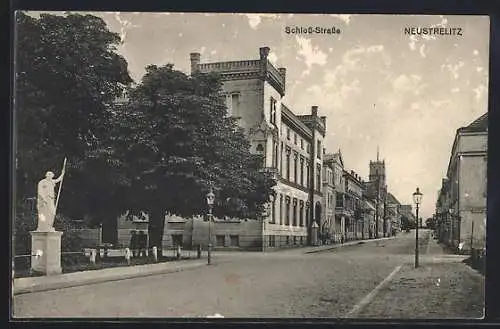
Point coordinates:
pixel 480 124
pixel 392 199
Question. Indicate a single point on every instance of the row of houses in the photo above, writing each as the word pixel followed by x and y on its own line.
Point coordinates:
pixel 317 199
pixel 461 203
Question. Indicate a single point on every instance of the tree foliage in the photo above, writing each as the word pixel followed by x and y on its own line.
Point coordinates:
pixel 160 151
pixel 173 142
pixel 67 76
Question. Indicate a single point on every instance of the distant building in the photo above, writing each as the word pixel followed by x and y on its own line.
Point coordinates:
pixel 393 212
pixel 353 204
pixel 461 204
pixel 336 163
pixel 376 190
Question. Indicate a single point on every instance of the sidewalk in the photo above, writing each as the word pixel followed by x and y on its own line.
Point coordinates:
pixel 44 283
pixel 442 287
pixel 310 250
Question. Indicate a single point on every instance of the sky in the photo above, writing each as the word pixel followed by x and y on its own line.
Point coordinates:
pixel 378 87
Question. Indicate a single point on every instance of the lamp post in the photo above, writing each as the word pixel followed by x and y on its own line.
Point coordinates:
pixel 210 203
pixel 417 198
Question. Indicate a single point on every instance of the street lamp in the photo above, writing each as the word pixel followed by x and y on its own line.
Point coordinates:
pixel 417 198
pixel 210 203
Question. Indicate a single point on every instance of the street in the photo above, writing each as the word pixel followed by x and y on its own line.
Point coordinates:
pixel 289 283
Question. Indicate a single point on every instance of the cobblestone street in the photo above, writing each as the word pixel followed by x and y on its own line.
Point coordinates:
pixel 279 284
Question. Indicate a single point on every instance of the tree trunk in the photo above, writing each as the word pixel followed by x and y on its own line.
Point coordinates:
pixel 156 226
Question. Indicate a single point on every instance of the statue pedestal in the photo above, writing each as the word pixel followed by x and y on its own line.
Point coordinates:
pixel 46 252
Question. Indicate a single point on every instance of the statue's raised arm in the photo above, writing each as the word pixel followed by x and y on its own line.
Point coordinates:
pixel 60 178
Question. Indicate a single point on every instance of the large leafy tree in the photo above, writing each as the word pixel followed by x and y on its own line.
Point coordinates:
pixel 173 142
pixel 67 76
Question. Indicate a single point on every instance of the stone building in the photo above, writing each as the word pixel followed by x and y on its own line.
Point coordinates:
pixel 292 144
pixel 327 230
pixel 461 204
pixel 353 196
pixel 393 213
pixel 336 163
pixel 376 190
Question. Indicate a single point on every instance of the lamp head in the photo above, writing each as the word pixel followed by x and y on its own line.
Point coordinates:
pixel 417 197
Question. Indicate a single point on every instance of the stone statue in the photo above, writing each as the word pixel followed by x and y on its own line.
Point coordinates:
pixel 46 203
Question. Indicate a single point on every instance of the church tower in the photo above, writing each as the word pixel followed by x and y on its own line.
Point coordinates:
pixel 377 170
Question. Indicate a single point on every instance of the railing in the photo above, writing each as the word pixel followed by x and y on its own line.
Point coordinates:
pixel 247 65
pixel 100 258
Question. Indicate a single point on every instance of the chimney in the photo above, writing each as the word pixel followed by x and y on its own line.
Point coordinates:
pixel 195 60
pixel 282 72
pixel 314 111
pixel 264 52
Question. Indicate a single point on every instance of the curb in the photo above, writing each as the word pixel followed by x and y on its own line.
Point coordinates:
pixel 348 244
pixel 41 287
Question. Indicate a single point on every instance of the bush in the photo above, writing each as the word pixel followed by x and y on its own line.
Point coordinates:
pixel 26 221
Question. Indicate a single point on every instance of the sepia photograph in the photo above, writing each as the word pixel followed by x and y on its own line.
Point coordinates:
pixel 231 165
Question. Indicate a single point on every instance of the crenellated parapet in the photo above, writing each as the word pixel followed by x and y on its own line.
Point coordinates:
pixel 244 69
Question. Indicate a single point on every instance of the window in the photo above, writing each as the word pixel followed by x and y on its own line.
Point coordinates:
pixel 294 212
pixel 295 168
pixel 234 241
pixel 302 171
pixel 288 164
pixel 281 160
pixel 260 148
pixel 275 154
pixel 273 211
pixel 219 240
pixel 235 104
pixel 307 175
pixel 288 133
pixel 272 114
pixel 301 214
pixel 318 177
pixel 281 210
pixel 287 212
pixel 301 143
pixel 272 241
pixel 318 152
pixel 295 138
pixel 339 201
pixel 177 240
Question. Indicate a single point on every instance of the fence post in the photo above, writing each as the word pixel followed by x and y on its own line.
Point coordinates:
pixel 92 256
pixel 127 255
pixel 155 253
pixel 178 252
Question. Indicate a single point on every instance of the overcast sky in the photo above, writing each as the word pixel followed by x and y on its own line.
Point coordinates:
pixel 377 86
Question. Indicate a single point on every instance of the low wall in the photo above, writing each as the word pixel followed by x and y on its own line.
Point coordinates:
pixel 226 234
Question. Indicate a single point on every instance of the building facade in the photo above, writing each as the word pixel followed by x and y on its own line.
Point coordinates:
pixel 461 204
pixel 292 145
pixel 354 220
pixel 393 213
pixel 327 230
pixel 336 163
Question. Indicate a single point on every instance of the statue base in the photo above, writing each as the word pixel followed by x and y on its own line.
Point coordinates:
pixel 46 252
